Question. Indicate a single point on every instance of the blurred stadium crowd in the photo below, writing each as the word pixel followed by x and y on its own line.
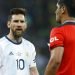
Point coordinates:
pixel 40 17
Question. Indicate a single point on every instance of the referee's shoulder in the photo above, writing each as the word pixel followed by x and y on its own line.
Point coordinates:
pixel 59 27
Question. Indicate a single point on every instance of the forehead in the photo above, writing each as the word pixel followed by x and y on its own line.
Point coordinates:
pixel 19 16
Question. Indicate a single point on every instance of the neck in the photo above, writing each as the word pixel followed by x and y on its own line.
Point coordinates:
pixel 14 39
pixel 67 19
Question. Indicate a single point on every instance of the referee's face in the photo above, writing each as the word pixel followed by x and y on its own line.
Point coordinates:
pixel 17 25
pixel 58 13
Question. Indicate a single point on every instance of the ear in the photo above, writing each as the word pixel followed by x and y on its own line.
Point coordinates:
pixel 63 9
pixel 8 24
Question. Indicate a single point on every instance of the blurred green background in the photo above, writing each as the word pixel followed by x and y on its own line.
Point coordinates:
pixel 41 19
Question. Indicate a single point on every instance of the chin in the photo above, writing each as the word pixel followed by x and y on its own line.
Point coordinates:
pixel 58 21
pixel 18 35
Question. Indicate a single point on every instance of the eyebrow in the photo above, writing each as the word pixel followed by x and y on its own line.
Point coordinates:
pixel 18 20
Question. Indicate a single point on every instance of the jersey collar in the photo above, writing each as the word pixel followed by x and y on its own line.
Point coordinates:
pixel 13 41
pixel 69 21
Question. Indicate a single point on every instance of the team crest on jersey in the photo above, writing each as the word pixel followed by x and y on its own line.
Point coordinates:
pixel 19 54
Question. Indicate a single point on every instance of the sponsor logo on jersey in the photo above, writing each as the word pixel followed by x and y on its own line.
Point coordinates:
pixel 11 53
pixel 53 39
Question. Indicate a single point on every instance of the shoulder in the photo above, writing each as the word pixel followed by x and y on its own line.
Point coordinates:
pixel 2 40
pixel 62 28
pixel 57 30
pixel 58 27
pixel 29 44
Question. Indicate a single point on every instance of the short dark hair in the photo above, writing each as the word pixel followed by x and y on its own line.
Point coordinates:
pixel 16 11
pixel 70 5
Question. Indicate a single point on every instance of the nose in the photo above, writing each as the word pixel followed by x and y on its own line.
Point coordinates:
pixel 19 23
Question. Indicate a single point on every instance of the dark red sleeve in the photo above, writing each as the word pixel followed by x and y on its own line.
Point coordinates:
pixel 56 38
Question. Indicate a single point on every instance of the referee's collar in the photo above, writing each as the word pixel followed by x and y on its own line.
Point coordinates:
pixel 68 21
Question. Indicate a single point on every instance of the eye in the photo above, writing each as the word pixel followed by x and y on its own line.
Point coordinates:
pixel 16 21
pixel 22 21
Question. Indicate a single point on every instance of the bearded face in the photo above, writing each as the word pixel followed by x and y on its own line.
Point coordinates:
pixel 17 25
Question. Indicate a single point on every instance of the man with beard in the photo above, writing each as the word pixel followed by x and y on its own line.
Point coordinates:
pixel 17 55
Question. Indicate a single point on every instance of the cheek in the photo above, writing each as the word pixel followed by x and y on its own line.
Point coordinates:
pixel 58 14
pixel 58 11
pixel 13 27
pixel 24 27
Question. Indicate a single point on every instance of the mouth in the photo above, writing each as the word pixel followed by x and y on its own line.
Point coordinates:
pixel 19 29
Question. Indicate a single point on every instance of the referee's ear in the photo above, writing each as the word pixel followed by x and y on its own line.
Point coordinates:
pixel 63 9
pixel 8 24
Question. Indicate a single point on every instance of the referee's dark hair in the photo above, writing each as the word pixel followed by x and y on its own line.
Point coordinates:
pixel 70 5
pixel 16 11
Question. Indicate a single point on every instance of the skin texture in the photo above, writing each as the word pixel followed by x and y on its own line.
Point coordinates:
pixel 17 26
pixel 34 71
pixel 58 13
pixel 54 61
